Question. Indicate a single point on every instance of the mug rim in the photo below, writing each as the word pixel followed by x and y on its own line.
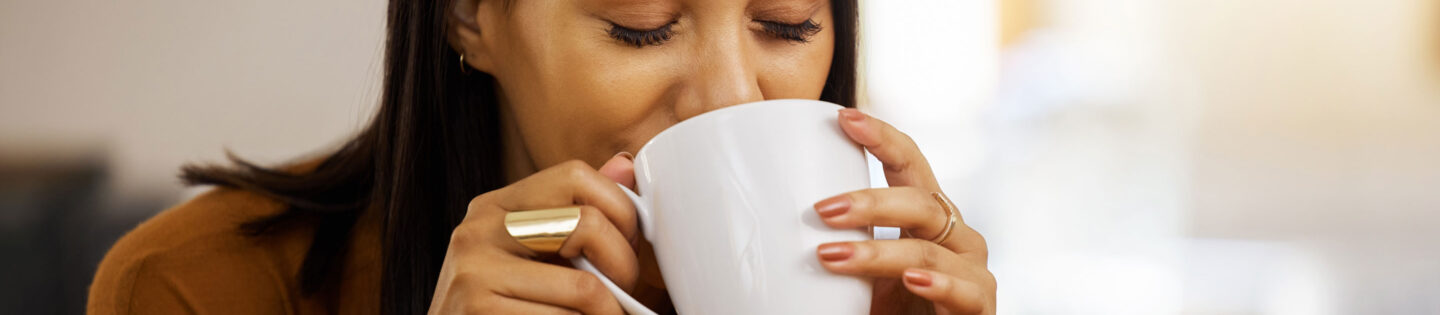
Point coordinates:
pixel 728 109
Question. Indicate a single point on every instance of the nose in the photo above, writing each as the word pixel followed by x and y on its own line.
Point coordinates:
pixel 725 76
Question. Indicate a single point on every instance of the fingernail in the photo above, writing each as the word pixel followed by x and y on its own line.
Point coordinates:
pixel 918 278
pixel 833 206
pixel 852 114
pixel 835 251
pixel 626 155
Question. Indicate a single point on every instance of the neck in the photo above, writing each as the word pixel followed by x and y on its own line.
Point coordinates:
pixel 518 164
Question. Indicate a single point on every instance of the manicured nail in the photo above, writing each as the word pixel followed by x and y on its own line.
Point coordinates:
pixel 833 206
pixel 918 278
pixel 626 155
pixel 851 114
pixel 836 251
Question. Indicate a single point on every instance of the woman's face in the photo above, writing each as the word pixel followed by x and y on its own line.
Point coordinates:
pixel 585 79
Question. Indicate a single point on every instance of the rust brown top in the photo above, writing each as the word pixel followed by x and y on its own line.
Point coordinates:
pixel 193 259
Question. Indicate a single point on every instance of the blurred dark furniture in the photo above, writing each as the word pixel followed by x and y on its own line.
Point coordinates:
pixel 55 226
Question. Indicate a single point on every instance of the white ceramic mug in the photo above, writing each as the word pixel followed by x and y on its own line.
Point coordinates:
pixel 726 199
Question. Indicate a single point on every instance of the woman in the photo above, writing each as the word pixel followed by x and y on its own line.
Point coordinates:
pixel 498 106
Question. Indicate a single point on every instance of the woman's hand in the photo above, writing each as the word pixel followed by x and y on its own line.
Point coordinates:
pixel 911 274
pixel 486 271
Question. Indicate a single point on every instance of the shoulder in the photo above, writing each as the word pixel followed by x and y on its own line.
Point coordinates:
pixel 193 257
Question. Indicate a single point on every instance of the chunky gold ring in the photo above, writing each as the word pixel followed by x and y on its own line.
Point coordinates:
pixel 542 230
pixel 951 214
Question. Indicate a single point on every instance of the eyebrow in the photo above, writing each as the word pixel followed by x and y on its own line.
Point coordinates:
pixel 669 5
pixel 634 9
pixel 785 7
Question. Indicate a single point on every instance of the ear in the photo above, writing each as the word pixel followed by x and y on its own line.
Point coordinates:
pixel 467 36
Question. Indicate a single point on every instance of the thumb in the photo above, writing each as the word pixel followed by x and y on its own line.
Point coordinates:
pixel 621 169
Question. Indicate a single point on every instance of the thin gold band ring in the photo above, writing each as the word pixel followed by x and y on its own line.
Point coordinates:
pixel 952 216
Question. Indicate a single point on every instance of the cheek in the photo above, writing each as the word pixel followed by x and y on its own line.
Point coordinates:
pixel 797 70
pixel 599 98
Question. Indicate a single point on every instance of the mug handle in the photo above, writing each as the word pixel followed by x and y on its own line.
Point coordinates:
pixel 628 303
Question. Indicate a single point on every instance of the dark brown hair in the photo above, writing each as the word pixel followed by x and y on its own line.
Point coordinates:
pixel 433 145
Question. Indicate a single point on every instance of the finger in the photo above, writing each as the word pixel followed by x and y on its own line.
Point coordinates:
pixel 885 258
pixel 506 305
pixel 600 242
pixel 479 233
pixel 554 285
pixel 911 208
pixel 570 183
pixel 621 169
pixel 904 164
pixel 956 295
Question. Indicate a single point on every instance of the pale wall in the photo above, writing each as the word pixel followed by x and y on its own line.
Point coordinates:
pixel 154 83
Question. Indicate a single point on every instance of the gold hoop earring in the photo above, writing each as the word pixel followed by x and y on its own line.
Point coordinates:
pixel 464 68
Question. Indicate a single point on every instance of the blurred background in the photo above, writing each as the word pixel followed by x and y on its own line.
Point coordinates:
pixel 1121 156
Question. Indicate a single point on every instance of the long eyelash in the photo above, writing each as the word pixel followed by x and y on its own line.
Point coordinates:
pixel 641 38
pixel 792 32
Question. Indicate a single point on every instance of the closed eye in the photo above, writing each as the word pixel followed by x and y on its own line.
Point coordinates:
pixel 641 38
pixel 799 32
